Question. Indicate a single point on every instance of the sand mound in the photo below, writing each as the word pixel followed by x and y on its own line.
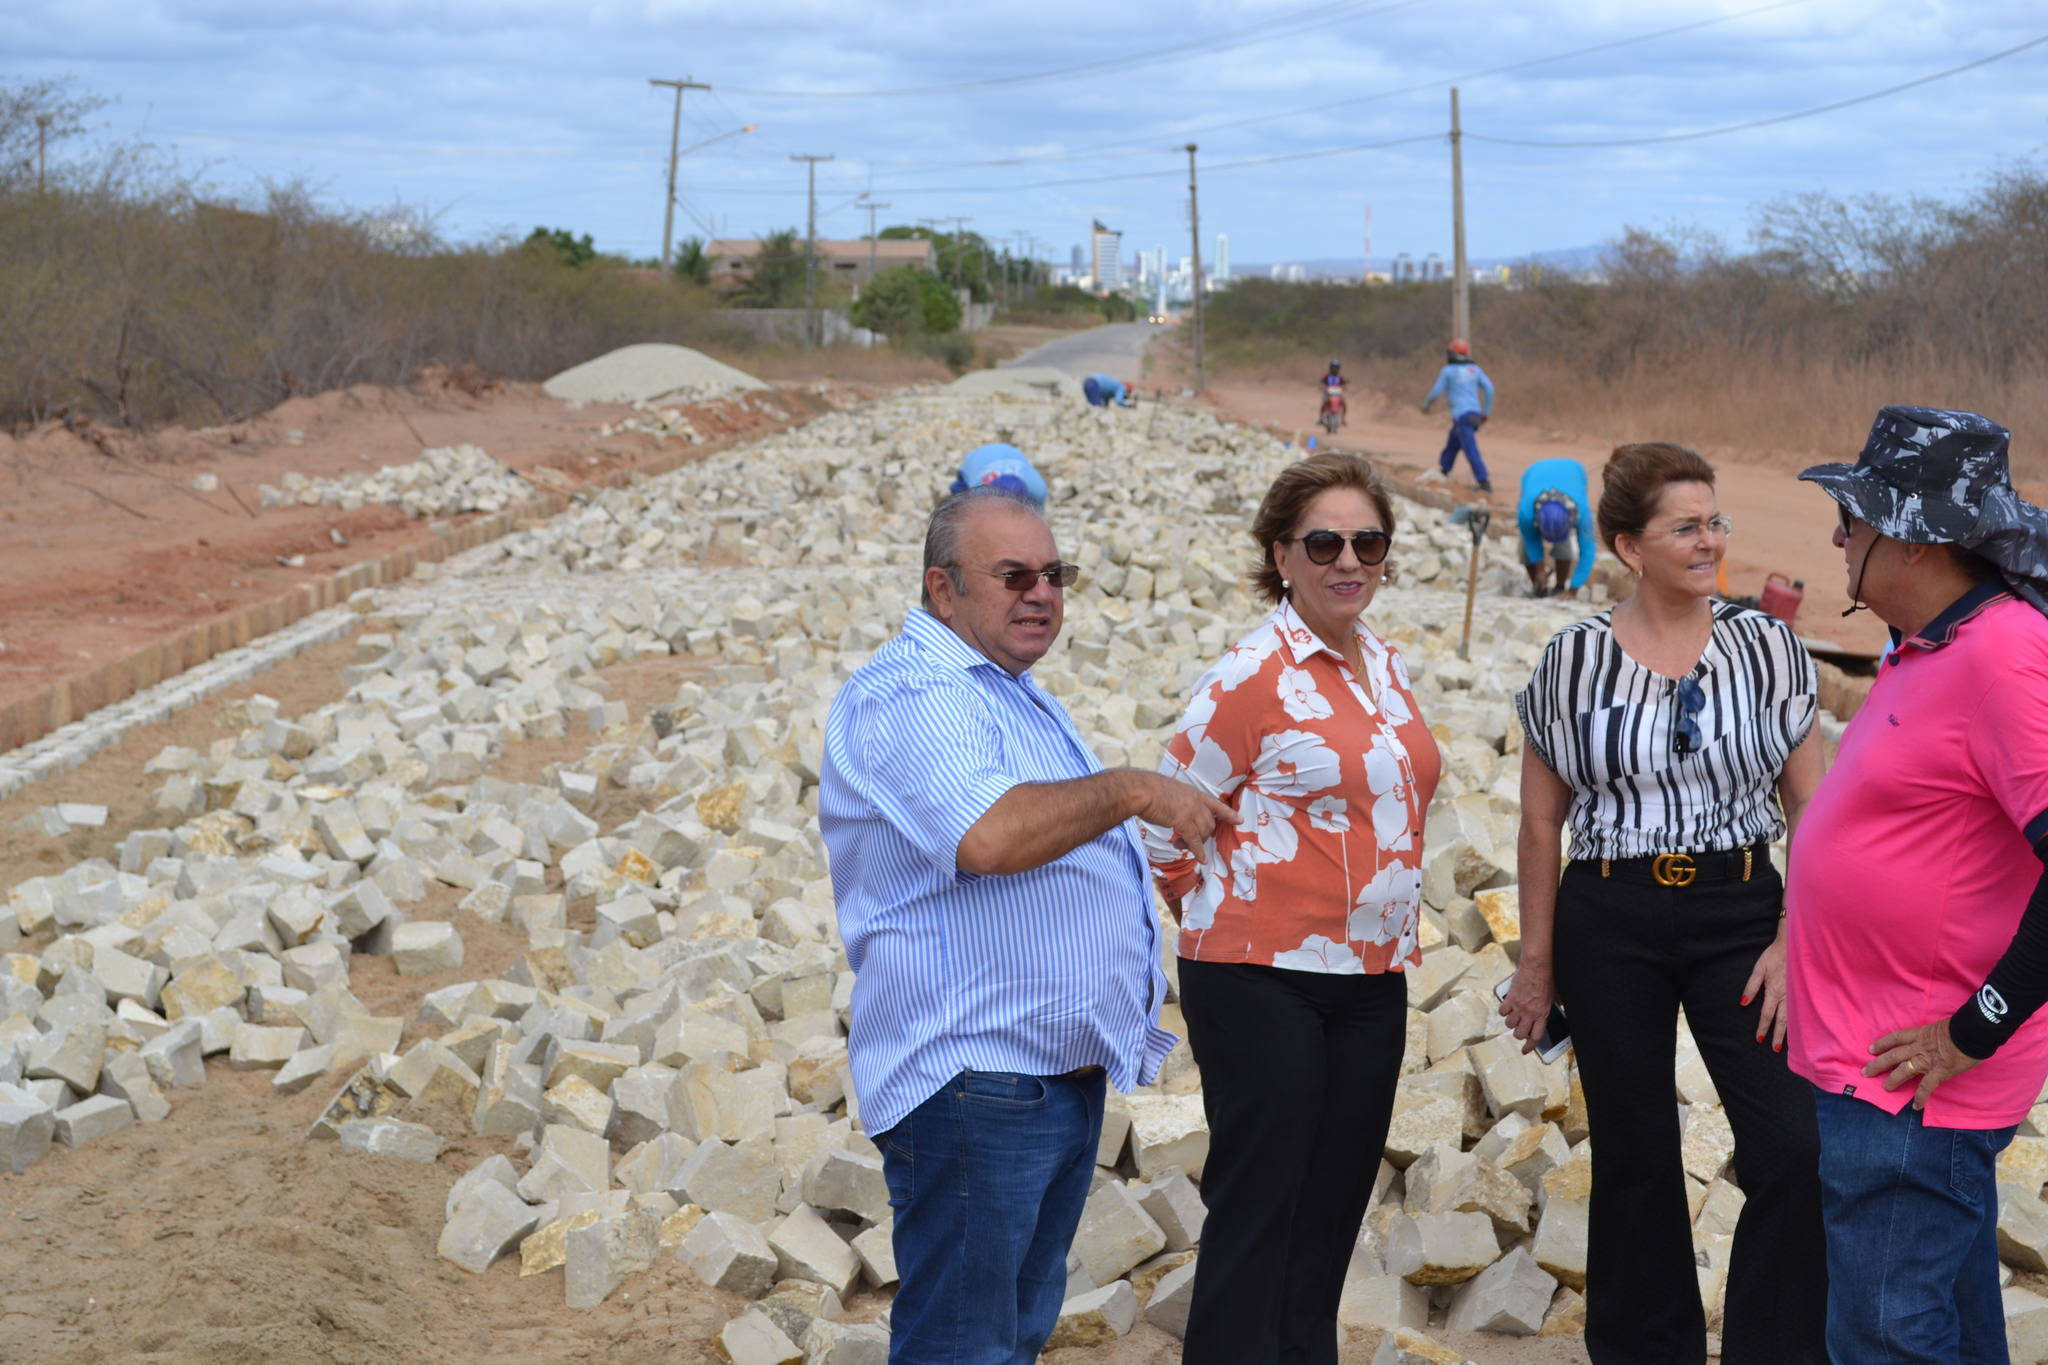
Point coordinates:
pixel 1018 381
pixel 647 372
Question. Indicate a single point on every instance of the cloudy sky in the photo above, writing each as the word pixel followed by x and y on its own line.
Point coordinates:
pixel 1035 116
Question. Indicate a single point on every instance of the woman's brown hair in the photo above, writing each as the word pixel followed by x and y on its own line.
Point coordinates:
pixel 1293 490
pixel 1636 477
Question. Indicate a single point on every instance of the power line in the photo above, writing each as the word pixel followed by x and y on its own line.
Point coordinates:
pixel 1304 21
pixel 1779 118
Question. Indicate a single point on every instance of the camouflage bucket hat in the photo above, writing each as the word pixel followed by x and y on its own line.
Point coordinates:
pixel 1929 476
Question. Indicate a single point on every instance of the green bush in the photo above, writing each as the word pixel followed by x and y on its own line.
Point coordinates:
pixel 954 349
pixel 573 250
pixel 903 300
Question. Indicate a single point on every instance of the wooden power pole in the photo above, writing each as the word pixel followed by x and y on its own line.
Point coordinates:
pixel 1195 231
pixel 675 128
pixel 811 330
pixel 871 207
pixel 1461 282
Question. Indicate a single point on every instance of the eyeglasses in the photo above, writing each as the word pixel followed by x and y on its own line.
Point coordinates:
pixel 1323 547
pixel 1848 520
pixel 1720 528
pixel 1685 731
pixel 1060 575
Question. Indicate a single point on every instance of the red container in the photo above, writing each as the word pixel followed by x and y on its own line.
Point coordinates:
pixel 1782 596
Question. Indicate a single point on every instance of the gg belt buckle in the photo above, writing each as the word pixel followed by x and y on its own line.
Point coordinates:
pixel 1674 869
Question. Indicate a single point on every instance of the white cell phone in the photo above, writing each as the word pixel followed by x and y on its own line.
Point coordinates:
pixel 1557 1035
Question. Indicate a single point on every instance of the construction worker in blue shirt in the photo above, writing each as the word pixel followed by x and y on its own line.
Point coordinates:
pixel 1101 390
pixel 1554 515
pixel 1460 383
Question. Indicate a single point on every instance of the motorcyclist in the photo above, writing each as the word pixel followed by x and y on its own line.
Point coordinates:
pixel 1461 383
pixel 1333 382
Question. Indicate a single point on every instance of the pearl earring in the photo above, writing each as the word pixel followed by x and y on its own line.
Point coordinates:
pixel 1285 585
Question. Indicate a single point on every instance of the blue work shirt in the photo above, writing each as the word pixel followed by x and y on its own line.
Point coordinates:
pixel 1037 972
pixel 990 462
pixel 1459 385
pixel 1112 390
pixel 1560 475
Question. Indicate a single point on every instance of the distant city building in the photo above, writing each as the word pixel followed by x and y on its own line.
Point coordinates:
pixel 1404 268
pixel 731 259
pixel 1108 258
pixel 1433 267
pixel 1222 275
pixel 1080 260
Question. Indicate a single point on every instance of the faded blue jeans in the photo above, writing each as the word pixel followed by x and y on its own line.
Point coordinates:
pixel 1912 1222
pixel 987 1178
pixel 1464 436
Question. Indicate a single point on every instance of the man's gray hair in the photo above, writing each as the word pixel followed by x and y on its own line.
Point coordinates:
pixel 942 532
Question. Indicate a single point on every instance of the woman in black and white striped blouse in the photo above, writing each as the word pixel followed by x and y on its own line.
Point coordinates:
pixel 1675 737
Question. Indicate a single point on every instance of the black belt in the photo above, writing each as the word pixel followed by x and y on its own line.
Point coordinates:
pixel 1690 869
pixel 1079 1073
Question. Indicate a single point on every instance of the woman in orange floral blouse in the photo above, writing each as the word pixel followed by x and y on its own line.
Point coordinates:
pixel 1297 921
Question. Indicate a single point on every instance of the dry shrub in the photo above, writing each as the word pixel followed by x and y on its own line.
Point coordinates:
pixel 1791 347
pixel 876 365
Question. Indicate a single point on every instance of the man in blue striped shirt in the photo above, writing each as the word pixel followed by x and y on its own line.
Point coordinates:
pixel 996 908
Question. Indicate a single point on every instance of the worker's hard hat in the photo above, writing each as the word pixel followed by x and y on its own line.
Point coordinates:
pixel 1461 347
pixel 1554 521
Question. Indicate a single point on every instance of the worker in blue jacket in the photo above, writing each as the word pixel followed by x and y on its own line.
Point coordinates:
pixel 1101 391
pixel 1555 518
pixel 1004 466
pixel 1461 384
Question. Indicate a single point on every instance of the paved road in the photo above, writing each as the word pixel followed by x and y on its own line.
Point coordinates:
pixel 1117 350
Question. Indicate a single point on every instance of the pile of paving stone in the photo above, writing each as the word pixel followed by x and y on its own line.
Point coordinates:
pixel 662 421
pixel 669 1075
pixel 441 482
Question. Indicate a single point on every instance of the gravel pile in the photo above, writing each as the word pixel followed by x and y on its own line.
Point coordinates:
pixel 648 373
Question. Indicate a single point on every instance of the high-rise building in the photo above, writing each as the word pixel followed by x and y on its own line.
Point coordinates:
pixel 1080 261
pixel 1222 275
pixel 1109 261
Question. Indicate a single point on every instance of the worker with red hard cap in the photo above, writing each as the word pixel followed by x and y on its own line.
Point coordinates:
pixel 1469 394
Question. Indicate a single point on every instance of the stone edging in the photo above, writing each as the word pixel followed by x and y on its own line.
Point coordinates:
pixel 60 727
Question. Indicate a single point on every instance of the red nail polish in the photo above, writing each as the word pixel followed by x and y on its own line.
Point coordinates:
pixel 1777 1047
pixel 1745 1000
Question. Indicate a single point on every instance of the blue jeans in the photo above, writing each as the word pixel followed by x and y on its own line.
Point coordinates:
pixel 1464 436
pixel 1912 1221
pixel 987 1178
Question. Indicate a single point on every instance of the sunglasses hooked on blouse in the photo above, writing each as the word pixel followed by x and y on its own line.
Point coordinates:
pixel 1323 547
pixel 1686 737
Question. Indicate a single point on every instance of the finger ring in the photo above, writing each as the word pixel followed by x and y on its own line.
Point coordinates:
pixel 1913 1066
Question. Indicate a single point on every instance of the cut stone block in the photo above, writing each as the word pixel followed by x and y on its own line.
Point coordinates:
pixel 426 946
pixel 846 1343
pixel 840 1181
pixel 1115 1234
pixel 806 1248
pixel 356 910
pixel 567 1161
pixel 1176 1206
pixel 1168 1130
pixel 579 1104
pixel 493 1170
pixel 1167 1308
pixel 1441 1248
pixel 1502 909
pixel 1511 1296
pixel 174 1057
pixel 1707 1144
pixel 1407 1346
pixel 1446 1180
pixel 126 1077
pixel 391 1137
pixel 656 1165
pixel 1513 1080
pixel 1567 1315
pixel 741 1179
pixel 2022 1228
pixel 202 986
pixel 71 1053
pixel 795 1305
pixel 728 1252
pixel 485 1223
pixel 1096 1318
pixel 876 1248
pixel 341 830
pixel 1375 1300
pixel 752 1338
pixel 92 1117
pixel 2026 1324
pixel 1561 1241
pixel 258 1048
pixel 1116 1131
pixel 601 1256
pixel 26 1127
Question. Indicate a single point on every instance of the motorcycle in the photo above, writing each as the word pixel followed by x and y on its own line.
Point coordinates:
pixel 1332 415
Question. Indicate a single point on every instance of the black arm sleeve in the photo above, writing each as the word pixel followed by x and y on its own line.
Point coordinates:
pixel 2017 986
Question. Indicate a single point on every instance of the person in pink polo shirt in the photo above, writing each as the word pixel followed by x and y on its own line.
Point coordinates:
pixel 1917 903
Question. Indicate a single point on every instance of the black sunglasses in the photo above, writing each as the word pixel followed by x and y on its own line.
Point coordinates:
pixel 1848 519
pixel 1685 735
pixel 1061 575
pixel 1323 547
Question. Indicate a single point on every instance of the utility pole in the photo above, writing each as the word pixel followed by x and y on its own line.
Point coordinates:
pixel 42 137
pixel 959 250
pixel 1195 232
pixel 811 257
pixel 1461 284
pixel 675 128
pixel 1018 259
pixel 872 206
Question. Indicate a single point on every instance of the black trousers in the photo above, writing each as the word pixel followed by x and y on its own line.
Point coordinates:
pixel 1298 1072
pixel 1628 954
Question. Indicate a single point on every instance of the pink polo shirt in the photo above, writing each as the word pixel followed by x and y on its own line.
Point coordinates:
pixel 1914 860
